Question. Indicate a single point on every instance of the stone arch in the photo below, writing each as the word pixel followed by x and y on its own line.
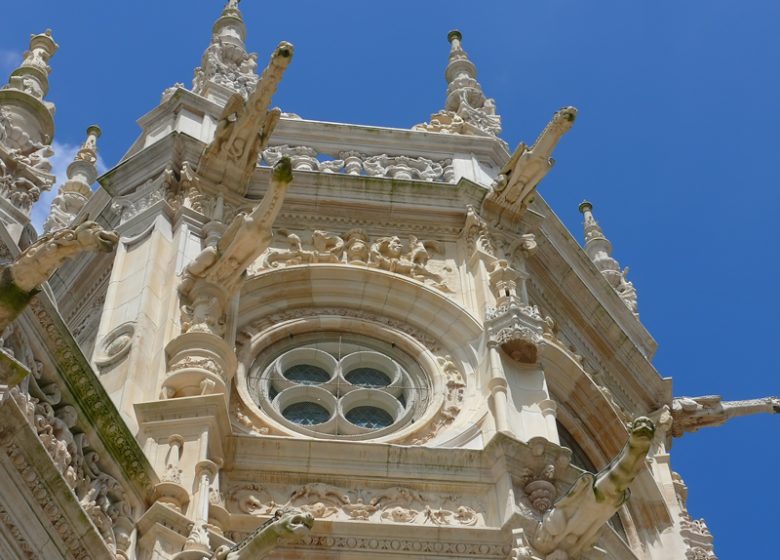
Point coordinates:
pixel 421 321
pixel 587 414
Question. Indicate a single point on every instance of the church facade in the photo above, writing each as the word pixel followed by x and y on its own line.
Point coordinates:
pixel 270 337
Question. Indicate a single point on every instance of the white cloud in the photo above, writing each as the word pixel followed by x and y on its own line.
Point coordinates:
pixel 9 60
pixel 63 156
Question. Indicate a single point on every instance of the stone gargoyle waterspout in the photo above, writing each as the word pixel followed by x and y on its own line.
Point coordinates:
pixel 19 281
pixel 284 526
pixel 573 524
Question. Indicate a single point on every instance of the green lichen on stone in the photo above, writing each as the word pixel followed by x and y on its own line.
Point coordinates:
pixel 13 299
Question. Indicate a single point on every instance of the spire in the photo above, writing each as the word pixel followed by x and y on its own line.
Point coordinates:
pixel 466 110
pixel 226 67
pixel 32 76
pixel 75 192
pixel 599 249
pixel 26 130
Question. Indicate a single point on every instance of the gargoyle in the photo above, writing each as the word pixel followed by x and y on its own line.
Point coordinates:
pixel 515 185
pixel 574 522
pixel 284 526
pixel 221 268
pixel 19 281
pixel 245 127
pixel 691 414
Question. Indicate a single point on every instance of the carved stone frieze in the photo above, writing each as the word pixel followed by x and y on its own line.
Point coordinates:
pixel 411 547
pixel 390 505
pixel 56 423
pixel 52 511
pixel 16 533
pixel 354 247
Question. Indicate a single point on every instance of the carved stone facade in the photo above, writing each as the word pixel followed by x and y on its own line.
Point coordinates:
pixel 291 338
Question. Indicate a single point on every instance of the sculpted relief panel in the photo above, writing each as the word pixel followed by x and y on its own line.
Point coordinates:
pixel 354 247
pixel 391 505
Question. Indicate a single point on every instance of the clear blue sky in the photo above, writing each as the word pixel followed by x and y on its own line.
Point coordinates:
pixel 676 146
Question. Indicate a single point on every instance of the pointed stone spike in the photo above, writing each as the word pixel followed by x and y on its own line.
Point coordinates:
pixel 466 109
pixel 76 191
pixel 599 249
pixel 226 67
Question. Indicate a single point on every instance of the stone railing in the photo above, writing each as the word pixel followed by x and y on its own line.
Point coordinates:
pixel 352 162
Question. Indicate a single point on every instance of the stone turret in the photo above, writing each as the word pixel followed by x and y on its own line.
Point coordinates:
pixel 466 110
pixel 26 130
pixel 226 67
pixel 599 249
pixel 75 192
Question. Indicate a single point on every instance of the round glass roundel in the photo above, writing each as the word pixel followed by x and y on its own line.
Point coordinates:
pixel 369 417
pixel 307 374
pixel 367 377
pixel 306 413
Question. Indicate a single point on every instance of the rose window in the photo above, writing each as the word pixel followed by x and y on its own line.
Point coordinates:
pixel 337 385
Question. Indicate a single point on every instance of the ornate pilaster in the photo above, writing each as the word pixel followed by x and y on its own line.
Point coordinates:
pixel 226 67
pixel 514 324
pixel 26 130
pixel 75 192
pixel 466 110
pixel 599 249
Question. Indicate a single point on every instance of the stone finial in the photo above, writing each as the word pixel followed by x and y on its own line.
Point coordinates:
pixel 32 76
pixel 26 130
pixel 226 67
pixel 599 249
pixel 466 109
pixel 75 192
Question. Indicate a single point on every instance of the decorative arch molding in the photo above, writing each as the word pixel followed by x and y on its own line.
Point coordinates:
pixel 439 335
pixel 581 403
pixel 354 287
pixel 588 415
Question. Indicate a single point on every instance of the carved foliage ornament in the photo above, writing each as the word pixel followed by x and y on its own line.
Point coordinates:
pixel 57 425
pixel 392 505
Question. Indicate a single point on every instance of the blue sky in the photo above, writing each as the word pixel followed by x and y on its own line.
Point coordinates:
pixel 675 145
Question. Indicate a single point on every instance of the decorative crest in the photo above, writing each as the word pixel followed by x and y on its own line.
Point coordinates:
pixel 466 110
pixel 599 249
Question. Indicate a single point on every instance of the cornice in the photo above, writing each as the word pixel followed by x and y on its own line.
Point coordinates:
pixel 90 396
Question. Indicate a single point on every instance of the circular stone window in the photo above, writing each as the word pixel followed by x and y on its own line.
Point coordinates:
pixel 338 385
